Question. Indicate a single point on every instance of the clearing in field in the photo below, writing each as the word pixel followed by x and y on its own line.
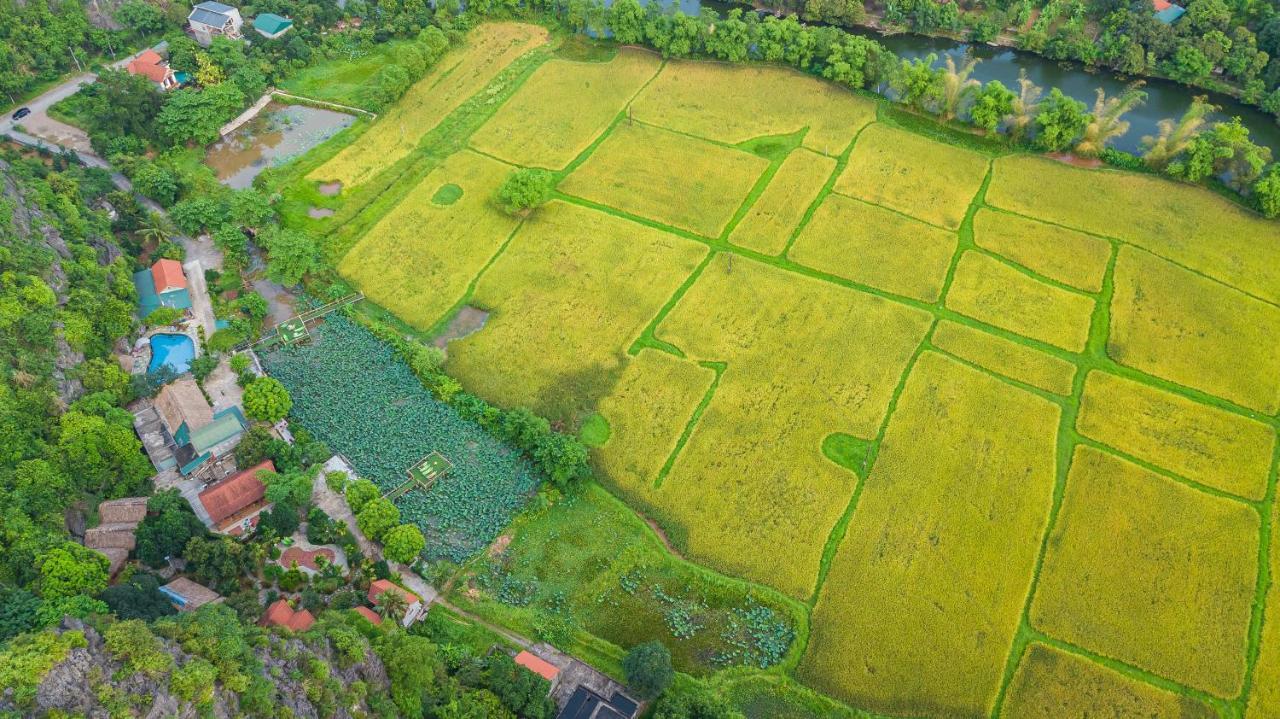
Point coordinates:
pixel 914 175
pixel 1189 225
pixel 563 107
pixel 1052 684
pixel 734 103
pixel 595 565
pixel 671 178
pixel 458 75
pixel 1068 256
pixel 876 247
pixel 805 359
pixel 1209 445
pixel 1182 327
pixel 990 291
pixel 1169 590
pixel 571 292
pixel 777 212
pixel 419 259
pixel 925 593
pixel 647 411
pixel 1264 696
pixel 1005 357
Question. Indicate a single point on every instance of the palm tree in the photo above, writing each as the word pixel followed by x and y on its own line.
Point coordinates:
pixel 392 605
pixel 1174 138
pixel 154 231
pixel 1025 106
pixel 957 85
pixel 1106 124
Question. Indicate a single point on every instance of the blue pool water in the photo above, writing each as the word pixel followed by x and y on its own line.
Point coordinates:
pixel 176 351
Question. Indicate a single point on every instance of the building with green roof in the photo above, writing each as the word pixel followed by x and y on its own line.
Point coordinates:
pixel 271 25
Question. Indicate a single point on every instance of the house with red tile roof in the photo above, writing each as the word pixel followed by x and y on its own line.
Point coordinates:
pixel 369 614
pixel 538 665
pixel 167 276
pixel 153 67
pixel 281 614
pixel 235 503
pixel 413 602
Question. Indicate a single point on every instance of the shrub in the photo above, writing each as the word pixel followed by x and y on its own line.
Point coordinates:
pixel 163 316
pixel 648 669
pixel 267 400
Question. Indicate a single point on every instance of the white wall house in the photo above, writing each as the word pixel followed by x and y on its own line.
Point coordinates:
pixel 210 19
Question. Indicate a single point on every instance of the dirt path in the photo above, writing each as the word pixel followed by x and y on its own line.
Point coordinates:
pixel 661 536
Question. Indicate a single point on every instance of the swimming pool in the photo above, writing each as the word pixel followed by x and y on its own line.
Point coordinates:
pixel 176 351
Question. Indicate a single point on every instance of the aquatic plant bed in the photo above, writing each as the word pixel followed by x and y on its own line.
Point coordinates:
pixel 354 393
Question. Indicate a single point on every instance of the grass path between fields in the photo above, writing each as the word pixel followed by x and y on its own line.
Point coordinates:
pixel 362 208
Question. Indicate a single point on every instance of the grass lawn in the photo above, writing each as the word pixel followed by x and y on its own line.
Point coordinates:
pixel 343 80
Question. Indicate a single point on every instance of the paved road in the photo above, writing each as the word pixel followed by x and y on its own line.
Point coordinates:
pixel 201 307
pixel 39 124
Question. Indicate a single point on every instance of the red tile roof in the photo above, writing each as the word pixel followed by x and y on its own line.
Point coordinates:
pixel 369 614
pixel 541 667
pixel 167 275
pixel 150 65
pixel 236 492
pixel 280 614
pixel 381 585
pixel 305 558
pixel 1159 5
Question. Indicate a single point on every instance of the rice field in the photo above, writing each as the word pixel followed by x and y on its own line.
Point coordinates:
pixel 458 75
pixel 1195 228
pixel 419 259
pixel 777 213
pixel 1051 684
pixel 916 176
pixel 1170 590
pixel 1068 256
pixel 632 171
pixel 1223 450
pixel 1196 332
pixel 736 103
pixel 874 246
pixel 995 436
pixel 1005 357
pixel 992 292
pixel 581 281
pixel 927 588
pixel 563 107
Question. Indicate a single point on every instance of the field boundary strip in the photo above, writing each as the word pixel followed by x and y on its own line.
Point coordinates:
pixel 719 368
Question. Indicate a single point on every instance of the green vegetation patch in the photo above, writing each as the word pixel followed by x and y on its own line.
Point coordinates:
pixel 771 696
pixel 1264 694
pixel 925 593
pixel 1068 256
pixel 775 215
pixel 343 80
pixel 1182 327
pixel 664 176
pixel 1172 586
pixel 562 108
pixel 847 451
pixel 1052 684
pixel 595 431
pixel 589 564
pixel 914 175
pixel 448 194
pixel 876 247
pixel 576 281
pixel 1189 225
pixel 1219 448
pixel 990 291
pixel 355 394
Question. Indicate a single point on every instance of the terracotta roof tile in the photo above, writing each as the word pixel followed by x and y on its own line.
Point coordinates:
pixel 368 613
pixel 236 492
pixel 280 614
pixel 379 586
pixel 166 273
pixel 537 665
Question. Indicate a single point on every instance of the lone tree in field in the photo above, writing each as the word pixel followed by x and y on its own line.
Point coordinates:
pixel 525 190
pixel 267 400
pixel 648 669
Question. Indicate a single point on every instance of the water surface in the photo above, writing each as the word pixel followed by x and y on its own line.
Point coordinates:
pixel 279 133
